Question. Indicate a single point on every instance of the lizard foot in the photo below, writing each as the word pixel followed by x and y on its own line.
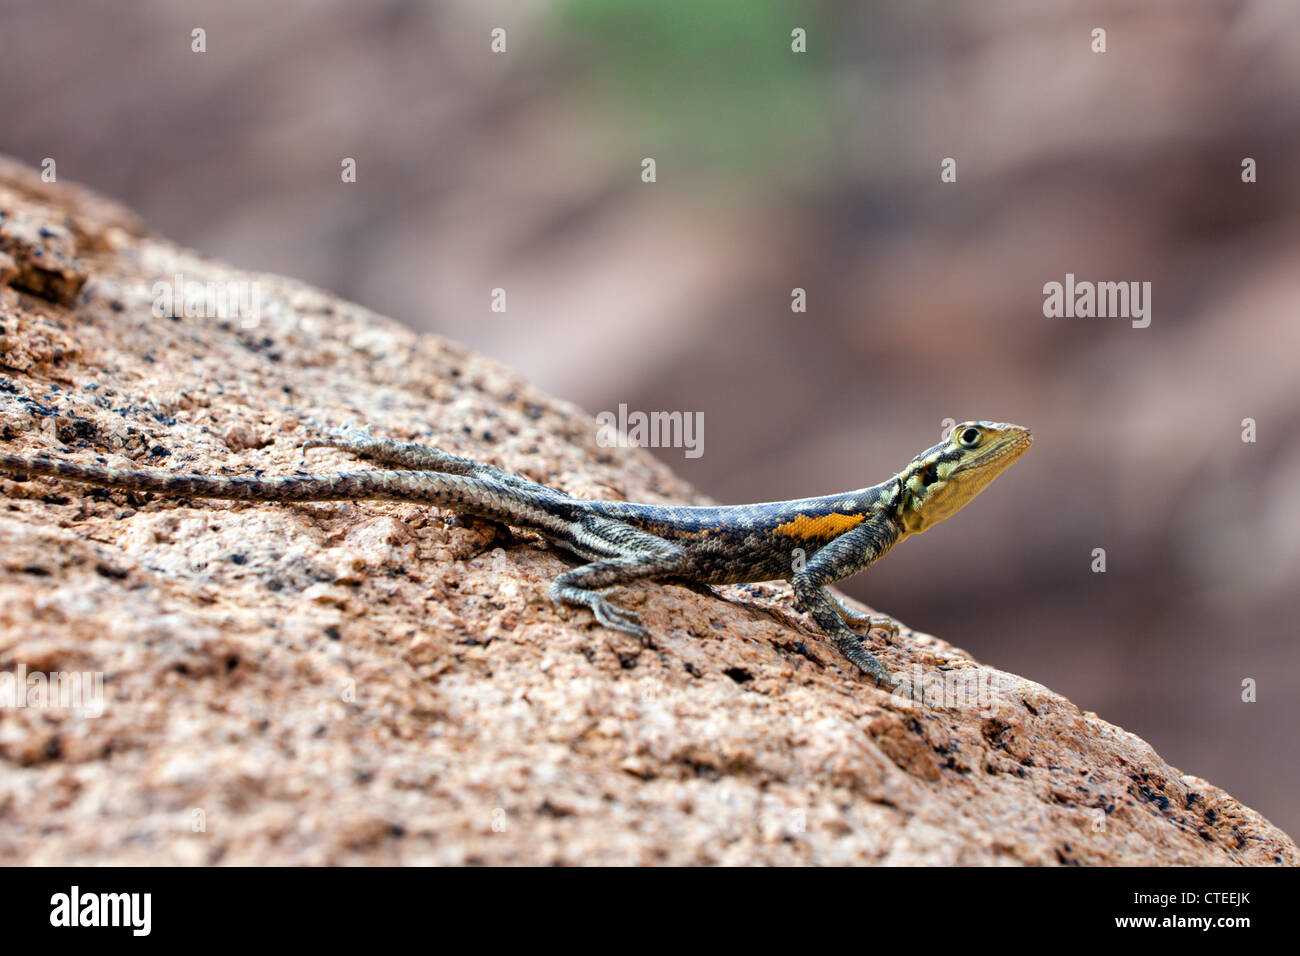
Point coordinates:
pixel 613 616
pixel 848 646
pixel 886 624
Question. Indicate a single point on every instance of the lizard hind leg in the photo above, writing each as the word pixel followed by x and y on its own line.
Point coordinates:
pixel 624 554
pixel 414 456
pixel 359 442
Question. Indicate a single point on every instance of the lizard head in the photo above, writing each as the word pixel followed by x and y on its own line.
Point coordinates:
pixel 941 480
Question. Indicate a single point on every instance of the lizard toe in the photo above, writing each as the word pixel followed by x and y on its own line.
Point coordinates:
pixel 619 619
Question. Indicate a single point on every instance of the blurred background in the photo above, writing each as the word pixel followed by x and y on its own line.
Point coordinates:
pixel 819 170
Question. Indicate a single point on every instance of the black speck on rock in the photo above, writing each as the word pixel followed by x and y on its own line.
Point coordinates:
pixel 79 429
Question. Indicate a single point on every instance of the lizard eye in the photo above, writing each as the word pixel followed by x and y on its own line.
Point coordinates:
pixel 970 437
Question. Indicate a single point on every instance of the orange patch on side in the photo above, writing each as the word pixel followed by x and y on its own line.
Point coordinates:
pixel 822 526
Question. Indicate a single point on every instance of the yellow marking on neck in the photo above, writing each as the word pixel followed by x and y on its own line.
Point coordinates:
pixel 822 526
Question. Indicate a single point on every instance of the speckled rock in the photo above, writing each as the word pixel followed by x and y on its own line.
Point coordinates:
pixel 383 683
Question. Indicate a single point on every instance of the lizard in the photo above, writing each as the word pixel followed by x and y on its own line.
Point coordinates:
pixel 810 542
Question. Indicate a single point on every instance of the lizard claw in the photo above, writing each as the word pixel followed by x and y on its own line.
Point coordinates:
pixel 617 618
pixel 886 624
pixel 311 443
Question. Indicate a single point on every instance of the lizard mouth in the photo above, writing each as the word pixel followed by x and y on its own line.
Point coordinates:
pixel 1006 451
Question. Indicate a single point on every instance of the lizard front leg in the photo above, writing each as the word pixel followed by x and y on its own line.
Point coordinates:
pixel 841 558
pixel 818 602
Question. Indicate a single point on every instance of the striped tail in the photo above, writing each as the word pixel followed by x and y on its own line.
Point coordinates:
pixel 351 487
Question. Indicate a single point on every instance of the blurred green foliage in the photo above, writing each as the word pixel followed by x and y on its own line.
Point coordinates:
pixel 712 85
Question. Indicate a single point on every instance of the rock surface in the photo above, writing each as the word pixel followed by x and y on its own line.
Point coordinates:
pixel 382 683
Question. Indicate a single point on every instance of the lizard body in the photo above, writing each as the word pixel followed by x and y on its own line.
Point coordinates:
pixel 811 542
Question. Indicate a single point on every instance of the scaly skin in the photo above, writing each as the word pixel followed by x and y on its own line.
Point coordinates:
pixel 810 542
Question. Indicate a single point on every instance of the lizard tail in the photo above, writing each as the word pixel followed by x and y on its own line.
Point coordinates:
pixel 543 509
pixel 340 487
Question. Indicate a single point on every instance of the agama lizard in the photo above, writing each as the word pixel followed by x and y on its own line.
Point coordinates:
pixel 810 542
